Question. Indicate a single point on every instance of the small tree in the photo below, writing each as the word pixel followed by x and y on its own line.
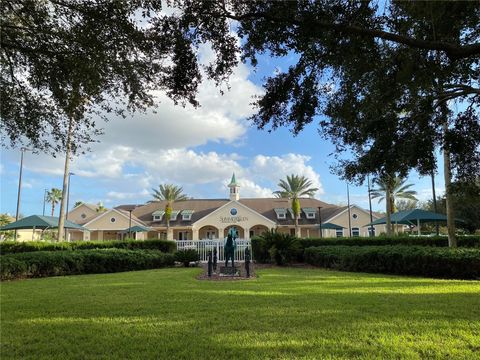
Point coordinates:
pixel 294 187
pixel 391 188
pixel 53 197
pixel 169 193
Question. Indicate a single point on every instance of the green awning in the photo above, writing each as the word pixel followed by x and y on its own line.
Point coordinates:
pixel 330 226
pixel 136 228
pixel 40 222
pixel 411 217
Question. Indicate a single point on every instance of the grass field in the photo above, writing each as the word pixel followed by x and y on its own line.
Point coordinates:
pixel 285 313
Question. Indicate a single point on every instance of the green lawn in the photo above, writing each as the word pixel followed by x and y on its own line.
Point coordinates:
pixel 285 313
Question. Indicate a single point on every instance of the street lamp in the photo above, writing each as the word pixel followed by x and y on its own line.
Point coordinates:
pixel 370 205
pixel 349 214
pixel 320 220
pixel 44 201
pixel 68 193
pixel 130 224
pixel 22 151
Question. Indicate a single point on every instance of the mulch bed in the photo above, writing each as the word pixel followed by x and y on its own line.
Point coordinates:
pixel 216 276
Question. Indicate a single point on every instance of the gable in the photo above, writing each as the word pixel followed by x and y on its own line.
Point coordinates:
pixel 104 221
pixel 82 214
pixel 234 213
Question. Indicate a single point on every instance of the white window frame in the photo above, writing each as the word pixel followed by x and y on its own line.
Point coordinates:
pixel 337 233
pixel 310 215
pixel 157 217
pixel 355 230
pixel 282 216
pixel 187 217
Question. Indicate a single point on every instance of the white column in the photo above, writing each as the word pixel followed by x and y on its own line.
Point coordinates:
pixel 246 231
pixel 194 234
pixel 220 233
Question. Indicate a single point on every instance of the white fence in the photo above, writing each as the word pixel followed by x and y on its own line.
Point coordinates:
pixel 204 246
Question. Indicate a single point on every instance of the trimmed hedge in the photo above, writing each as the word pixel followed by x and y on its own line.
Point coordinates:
pixel 55 263
pixel 261 246
pixel 11 247
pixel 187 256
pixel 438 241
pixel 401 260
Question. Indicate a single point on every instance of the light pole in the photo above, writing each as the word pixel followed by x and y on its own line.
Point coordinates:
pixel 68 193
pixel 22 151
pixel 320 220
pixel 130 224
pixel 349 215
pixel 370 206
pixel 44 201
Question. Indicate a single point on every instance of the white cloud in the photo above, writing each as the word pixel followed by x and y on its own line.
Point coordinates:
pixel 273 168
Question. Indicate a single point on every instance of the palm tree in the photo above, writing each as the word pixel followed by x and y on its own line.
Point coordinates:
pixel 293 188
pixel 169 193
pixel 77 203
pixel 100 208
pixel 389 189
pixel 54 196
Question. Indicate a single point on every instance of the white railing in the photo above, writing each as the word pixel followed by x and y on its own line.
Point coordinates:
pixel 205 246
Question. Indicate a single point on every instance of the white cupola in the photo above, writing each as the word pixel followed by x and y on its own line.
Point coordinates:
pixel 234 187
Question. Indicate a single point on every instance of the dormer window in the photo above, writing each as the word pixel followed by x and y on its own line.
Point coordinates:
pixel 281 213
pixel 174 215
pixel 309 213
pixel 292 214
pixel 158 215
pixel 187 215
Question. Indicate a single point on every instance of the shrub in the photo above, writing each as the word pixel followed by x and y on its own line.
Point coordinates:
pixel 275 247
pixel 439 241
pixel 403 260
pixel 186 256
pixel 54 263
pixel 10 247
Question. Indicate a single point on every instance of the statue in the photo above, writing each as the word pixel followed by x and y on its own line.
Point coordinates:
pixel 215 257
pixel 247 262
pixel 229 246
pixel 209 264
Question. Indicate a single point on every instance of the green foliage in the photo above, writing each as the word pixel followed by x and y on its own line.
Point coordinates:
pixel 403 260
pixel 53 197
pixel 437 241
pixel 275 247
pixel 465 202
pixel 31 246
pixel 186 256
pixel 57 263
pixel 261 245
pixel 5 219
pixel 398 190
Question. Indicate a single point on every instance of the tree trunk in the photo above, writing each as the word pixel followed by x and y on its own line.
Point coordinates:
pixel 61 217
pixel 53 209
pixel 389 211
pixel 297 234
pixel 452 240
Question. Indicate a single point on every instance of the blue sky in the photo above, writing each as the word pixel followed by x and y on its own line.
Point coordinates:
pixel 195 148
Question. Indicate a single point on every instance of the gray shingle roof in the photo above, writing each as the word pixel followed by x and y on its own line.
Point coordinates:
pixel 264 206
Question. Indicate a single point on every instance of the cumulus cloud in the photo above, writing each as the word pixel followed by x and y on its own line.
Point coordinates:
pixel 273 168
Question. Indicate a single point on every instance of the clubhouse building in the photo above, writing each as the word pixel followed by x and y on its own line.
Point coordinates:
pixel 199 219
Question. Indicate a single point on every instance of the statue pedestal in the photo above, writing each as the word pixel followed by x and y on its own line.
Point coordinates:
pixel 229 271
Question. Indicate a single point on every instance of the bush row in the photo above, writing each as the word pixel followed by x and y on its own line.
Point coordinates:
pixel 272 247
pixel 460 263
pixel 55 263
pixel 9 247
pixel 439 241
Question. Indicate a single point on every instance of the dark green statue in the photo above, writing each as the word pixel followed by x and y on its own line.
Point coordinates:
pixel 230 246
